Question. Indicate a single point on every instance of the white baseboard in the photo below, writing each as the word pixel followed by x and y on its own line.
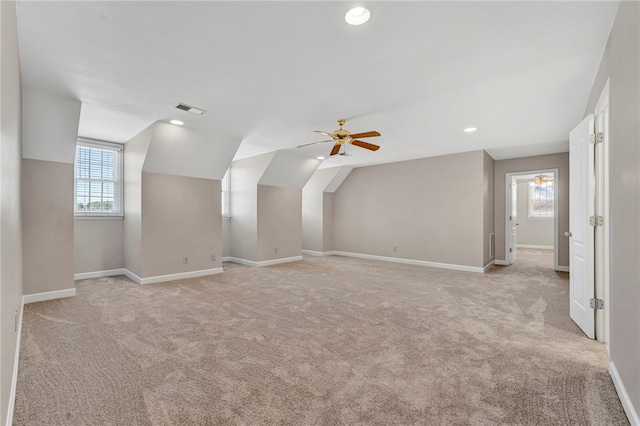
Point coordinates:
pixel 629 409
pixel 562 268
pixel 171 277
pixel 100 274
pixel 533 246
pixel 16 359
pixel 412 262
pixel 226 259
pixel 489 266
pixel 501 262
pixel 48 295
pixel 318 253
pixel 264 262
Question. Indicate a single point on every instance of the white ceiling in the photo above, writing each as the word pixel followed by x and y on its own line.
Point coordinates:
pixel 269 73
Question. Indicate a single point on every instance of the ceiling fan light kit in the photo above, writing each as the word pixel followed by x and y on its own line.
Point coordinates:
pixel 342 136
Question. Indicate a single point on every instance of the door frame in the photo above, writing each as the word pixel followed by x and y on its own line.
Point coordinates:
pixel 603 237
pixel 508 202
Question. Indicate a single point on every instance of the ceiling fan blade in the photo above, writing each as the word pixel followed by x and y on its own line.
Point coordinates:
pixel 365 145
pixel 324 133
pixel 365 135
pixel 336 149
pixel 313 143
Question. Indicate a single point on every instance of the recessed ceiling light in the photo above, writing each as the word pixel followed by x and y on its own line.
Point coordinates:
pixel 320 158
pixel 470 129
pixel 191 109
pixel 357 16
pixel 176 122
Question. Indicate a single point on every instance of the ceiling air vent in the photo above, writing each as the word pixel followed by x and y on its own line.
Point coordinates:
pixel 192 110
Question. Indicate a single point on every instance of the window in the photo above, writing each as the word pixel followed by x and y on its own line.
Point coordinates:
pixel 541 199
pixel 98 179
pixel 226 195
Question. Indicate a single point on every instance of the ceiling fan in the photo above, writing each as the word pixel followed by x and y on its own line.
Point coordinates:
pixel 540 179
pixel 342 136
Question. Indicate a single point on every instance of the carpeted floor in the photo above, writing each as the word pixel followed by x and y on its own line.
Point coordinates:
pixel 322 341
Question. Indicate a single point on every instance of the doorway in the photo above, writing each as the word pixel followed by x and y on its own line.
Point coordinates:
pixel 531 212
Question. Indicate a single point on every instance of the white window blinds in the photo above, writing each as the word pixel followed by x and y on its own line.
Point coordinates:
pixel 226 194
pixel 98 179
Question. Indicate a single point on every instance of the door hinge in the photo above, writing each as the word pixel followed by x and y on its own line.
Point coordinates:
pixel 596 303
pixel 595 138
pixel 596 220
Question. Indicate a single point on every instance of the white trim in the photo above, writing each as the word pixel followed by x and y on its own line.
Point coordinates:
pixel 265 262
pixel 533 246
pixel 100 274
pixel 226 258
pixel 16 359
pixel 48 295
pixel 412 262
pixel 489 266
pixel 561 268
pixel 501 262
pixel 171 277
pixel 318 253
pixel 630 411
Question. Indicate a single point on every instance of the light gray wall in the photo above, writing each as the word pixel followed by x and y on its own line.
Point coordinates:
pixel 10 190
pixel 279 222
pixel 327 221
pixel 50 131
pixel 47 226
pixel 226 237
pixel 245 175
pixel 489 202
pixel 180 217
pixel 98 245
pixel 135 152
pixel 313 211
pixel 420 206
pixel 532 231
pixel 538 162
pixel 620 63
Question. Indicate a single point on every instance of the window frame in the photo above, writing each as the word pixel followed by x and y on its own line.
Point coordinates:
pixel 530 212
pixel 119 183
pixel 225 194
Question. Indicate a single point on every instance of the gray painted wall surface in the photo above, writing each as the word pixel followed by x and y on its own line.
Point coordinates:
pixel 135 152
pixel 327 221
pixel 226 237
pixel 47 226
pixel 621 64
pixel 488 181
pixel 10 191
pixel 539 162
pixel 180 217
pixel 532 231
pixel 98 245
pixel 245 175
pixel 314 230
pixel 279 222
pixel 420 206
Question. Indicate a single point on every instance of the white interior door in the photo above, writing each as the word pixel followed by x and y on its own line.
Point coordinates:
pixel 513 221
pixel 581 207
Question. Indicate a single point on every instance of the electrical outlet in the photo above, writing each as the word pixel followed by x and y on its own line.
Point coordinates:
pixel 275 249
pixel 213 257
pixel 395 249
pixel 185 260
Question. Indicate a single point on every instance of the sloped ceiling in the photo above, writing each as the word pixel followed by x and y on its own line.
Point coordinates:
pixel 269 73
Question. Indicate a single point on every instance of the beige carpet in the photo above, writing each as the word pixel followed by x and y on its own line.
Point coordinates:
pixel 322 341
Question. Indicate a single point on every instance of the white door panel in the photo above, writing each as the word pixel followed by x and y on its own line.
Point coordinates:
pixel 581 207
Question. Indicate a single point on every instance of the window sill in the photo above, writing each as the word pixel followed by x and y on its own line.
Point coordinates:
pixel 98 217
